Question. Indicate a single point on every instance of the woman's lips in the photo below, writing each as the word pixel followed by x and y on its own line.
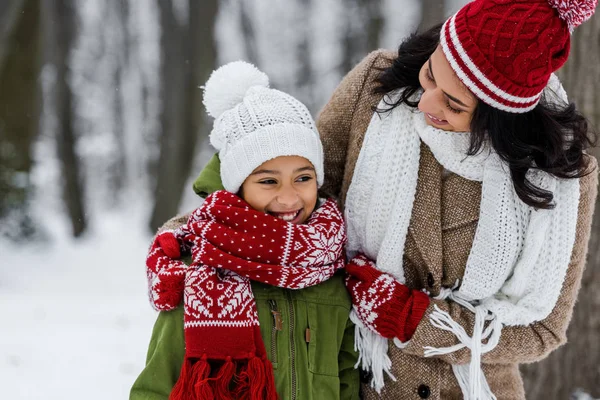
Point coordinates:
pixel 435 120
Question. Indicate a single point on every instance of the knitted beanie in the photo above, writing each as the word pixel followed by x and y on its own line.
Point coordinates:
pixel 504 51
pixel 255 124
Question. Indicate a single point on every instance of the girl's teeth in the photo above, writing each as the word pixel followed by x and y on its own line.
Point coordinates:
pixel 287 217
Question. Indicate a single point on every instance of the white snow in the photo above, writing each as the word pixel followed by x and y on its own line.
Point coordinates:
pixel 76 320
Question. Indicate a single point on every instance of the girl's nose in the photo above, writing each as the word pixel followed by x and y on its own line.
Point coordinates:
pixel 287 197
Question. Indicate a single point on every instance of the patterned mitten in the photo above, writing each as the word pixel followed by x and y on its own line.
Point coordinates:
pixel 383 304
pixel 166 273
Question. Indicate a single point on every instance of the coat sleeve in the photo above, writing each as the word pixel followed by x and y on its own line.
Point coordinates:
pixel 336 119
pixel 164 359
pixel 347 359
pixel 521 344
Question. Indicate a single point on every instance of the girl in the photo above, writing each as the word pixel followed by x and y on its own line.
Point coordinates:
pixel 245 330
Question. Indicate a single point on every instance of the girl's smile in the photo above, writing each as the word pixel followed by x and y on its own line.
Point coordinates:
pixel 284 187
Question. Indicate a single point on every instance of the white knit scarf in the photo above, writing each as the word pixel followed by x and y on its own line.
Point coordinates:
pixel 519 258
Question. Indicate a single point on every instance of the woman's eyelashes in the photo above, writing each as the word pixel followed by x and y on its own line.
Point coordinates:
pixel 448 106
pixel 452 109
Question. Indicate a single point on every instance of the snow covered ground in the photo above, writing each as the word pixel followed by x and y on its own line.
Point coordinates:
pixel 75 316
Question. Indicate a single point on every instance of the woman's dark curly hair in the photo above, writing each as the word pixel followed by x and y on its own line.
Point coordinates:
pixel 551 137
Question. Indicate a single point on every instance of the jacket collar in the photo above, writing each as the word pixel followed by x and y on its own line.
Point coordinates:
pixel 426 219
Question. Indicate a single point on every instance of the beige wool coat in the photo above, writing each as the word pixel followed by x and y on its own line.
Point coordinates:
pixel 440 236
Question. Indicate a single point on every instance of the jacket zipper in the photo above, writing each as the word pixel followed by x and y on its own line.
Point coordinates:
pixel 277 326
pixel 292 347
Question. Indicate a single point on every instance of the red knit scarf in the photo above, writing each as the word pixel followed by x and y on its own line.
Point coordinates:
pixel 232 244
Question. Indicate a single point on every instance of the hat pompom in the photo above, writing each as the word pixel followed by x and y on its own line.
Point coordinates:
pixel 228 85
pixel 574 12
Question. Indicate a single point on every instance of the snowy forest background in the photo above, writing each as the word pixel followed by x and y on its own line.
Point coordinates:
pixel 102 131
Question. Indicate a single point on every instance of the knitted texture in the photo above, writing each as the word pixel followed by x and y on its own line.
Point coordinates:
pixel 230 244
pixel 504 51
pixel 518 253
pixel 255 124
pixel 383 304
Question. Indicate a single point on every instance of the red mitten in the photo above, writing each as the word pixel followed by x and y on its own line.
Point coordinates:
pixel 166 273
pixel 383 304
pixel 168 242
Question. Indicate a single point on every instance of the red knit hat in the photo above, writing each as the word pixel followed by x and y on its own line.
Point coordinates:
pixel 504 51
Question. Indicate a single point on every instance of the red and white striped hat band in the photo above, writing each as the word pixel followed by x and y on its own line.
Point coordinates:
pixel 475 80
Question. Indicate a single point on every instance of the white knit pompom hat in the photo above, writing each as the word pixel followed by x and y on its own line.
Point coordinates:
pixel 254 124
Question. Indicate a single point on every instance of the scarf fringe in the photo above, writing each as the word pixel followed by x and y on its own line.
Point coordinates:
pixel 223 380
pixel 372 353
pixel 470 377
pixel 461 372
pixel 193 382
pixel 254 381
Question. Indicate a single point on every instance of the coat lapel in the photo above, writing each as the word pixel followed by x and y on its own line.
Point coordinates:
pixel 461 199
pixel 426 219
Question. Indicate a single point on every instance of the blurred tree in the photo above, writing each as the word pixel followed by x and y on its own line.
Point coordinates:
pixel 362 16
pixel 577 364
pixel 432 13
pixel 62 25
pixel 118 176
pixel 305 75
pixel 188 57
pixel 20 62
pixel 246 22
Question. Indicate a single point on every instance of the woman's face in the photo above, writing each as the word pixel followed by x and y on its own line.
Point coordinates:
pixel 446 101
pixel 284 187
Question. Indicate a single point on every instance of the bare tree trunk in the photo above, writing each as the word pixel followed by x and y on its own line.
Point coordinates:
pixel 248 31
pixel 361 16
pixel 375 23
pixel 172 87
pixel 62 17
pixel 305 76
pixel 187 59
pixel 203 59
pixel 9 18
pixel 120 11
pixel 432 13
pixel 577 364
pixel 20 61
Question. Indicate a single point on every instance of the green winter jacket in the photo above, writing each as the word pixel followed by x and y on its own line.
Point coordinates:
pixel 307 333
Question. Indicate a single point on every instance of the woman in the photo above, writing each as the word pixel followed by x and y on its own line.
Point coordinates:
pixel 468 247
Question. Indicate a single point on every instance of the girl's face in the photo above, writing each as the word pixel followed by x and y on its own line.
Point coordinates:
pixel 446 101
pixel 285 187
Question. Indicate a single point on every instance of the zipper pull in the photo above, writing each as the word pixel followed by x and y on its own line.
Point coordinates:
pixel 277 320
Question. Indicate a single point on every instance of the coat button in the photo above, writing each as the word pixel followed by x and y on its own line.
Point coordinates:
pixel 430 280
pixel 424 391
pixel 365 376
